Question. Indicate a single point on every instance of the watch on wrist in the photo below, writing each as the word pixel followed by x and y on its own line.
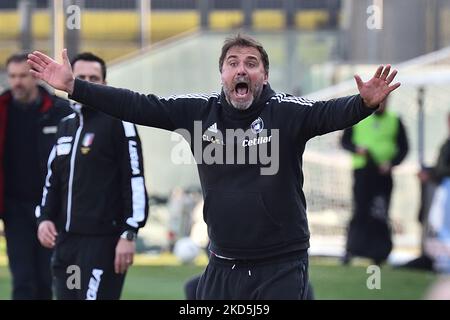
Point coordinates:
pixel 129 235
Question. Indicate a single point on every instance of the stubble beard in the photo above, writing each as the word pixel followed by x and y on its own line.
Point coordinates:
pixel 242 105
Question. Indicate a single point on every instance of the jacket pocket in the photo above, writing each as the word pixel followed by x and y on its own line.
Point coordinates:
pixel 240 220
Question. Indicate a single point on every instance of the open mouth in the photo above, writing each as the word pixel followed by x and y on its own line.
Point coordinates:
pixel 241 89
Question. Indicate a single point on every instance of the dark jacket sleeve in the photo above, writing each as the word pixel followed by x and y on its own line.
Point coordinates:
pixel 327 116
pixel 402 145
pixel 50 203
pixel 134 191
pixel 347 141
pixel 148 110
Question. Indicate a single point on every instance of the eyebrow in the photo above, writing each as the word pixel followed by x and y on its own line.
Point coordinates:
pixel 246 58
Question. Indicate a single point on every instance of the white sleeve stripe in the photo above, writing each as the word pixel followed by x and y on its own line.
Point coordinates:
pixel 299 100
pixel 187 96
pixel 282 97
pixel 37 211
pixel 70 116
pixel 130 131
pixel 51 157
pixel 191 96
pixel 138 198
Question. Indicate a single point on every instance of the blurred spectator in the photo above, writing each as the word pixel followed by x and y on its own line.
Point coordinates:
pixel 29 116
pixel 378 143
pixel 437 243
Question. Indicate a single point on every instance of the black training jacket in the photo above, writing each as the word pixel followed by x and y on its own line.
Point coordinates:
pixel 95 180
pixel 249 214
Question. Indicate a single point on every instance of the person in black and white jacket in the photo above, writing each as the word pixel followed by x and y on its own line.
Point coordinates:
pixel 256 213
pixel 94 199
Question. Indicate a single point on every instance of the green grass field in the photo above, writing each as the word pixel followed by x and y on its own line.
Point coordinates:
pixel 330 281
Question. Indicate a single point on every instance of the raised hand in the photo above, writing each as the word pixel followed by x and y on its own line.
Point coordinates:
pixel 374 91
pixel 59 76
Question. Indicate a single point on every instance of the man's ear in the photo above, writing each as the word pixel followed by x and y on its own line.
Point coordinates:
pixel 266 78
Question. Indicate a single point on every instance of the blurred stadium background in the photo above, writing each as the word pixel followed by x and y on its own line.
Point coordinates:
pixel 315 46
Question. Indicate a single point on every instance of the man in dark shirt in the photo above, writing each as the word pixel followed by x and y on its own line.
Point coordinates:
pixel 248 142
pixel 29 116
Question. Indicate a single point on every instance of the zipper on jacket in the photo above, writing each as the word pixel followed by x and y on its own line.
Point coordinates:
pixel 72 170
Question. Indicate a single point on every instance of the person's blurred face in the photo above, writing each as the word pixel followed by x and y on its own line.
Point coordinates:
pixel 22 83
pixel 89 71
pixel 243 76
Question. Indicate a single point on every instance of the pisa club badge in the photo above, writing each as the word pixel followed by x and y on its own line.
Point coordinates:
pixel 257 126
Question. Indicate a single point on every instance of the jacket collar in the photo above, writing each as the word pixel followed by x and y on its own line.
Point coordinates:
pixel 46 103
pixel 81 109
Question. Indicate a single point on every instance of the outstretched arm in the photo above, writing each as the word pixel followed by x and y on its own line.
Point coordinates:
pixel 149 110
pixel 336 114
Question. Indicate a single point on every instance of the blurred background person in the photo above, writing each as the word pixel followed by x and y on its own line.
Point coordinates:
pixel 378 143
pixel 29 116
pixel 433 213
pixel 437 243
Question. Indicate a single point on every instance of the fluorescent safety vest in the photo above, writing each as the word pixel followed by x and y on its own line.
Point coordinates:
pixel 378 134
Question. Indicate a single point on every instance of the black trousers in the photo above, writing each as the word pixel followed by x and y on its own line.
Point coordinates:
pixel 83 268
pixel 369 231
pixel 283 278
pixel 29 262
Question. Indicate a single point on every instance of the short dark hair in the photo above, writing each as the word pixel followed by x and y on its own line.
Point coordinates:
pixel 16 58
pixel 88 56
pixel 242 40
